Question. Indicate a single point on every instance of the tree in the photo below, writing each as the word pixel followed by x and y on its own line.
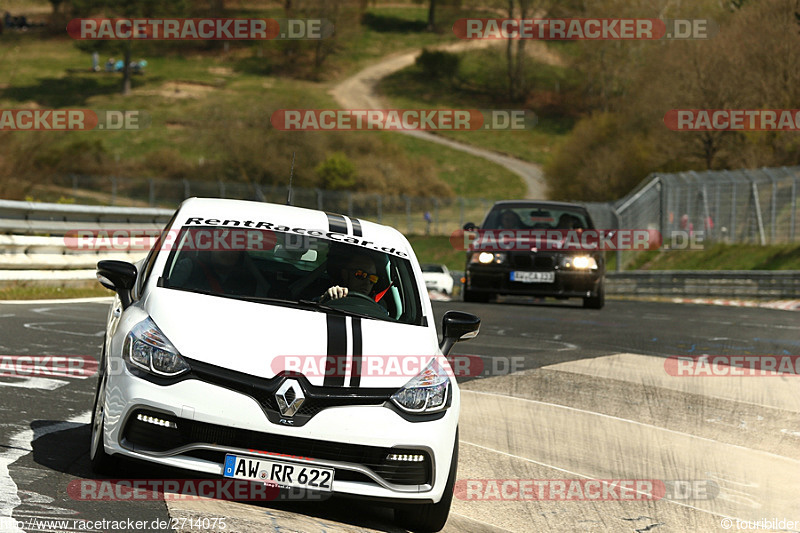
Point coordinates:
pixel 124 9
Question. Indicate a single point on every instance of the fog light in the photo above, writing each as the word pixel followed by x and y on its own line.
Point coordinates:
pixel 156 421
pixel 405 457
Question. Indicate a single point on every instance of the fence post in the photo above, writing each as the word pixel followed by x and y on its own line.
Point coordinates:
pixel 662 207
pixel 773 203
pixel 350 204
pixel 319 200
pixel 221 185
pixel 461 212
pixel 151 192
pixel 74 187
pixel 187 190
pixel 380 208
pixel 732 232
pixel 794 210
pixel 617 225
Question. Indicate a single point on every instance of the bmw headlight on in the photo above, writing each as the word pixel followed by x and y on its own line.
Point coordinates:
pixel 148 349
pixel 427 392
pixel 485 258
pixel 580 262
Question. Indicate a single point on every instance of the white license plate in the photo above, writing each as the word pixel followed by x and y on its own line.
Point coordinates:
pixel 278 472
pixel 533 277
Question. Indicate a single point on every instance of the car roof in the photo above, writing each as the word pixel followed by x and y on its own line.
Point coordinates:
pixel 228 212
pixel 537 203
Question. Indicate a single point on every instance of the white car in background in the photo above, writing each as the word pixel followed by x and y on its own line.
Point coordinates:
pixel 192 373
pixel 437 278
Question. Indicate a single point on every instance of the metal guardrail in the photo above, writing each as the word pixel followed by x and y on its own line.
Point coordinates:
pixel 750 284
pixel 32 247
pixel 26 218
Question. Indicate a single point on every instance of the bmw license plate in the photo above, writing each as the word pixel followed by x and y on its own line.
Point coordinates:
pixel 278 472
pixel 533 277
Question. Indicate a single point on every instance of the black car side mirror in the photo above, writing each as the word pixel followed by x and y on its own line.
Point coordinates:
pixel 458 326
pixel 119 276
pixel 469 226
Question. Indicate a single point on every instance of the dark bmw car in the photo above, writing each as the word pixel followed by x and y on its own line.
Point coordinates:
pixel 533 248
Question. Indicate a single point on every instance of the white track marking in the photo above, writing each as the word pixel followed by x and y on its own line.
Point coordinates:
pixel 20 445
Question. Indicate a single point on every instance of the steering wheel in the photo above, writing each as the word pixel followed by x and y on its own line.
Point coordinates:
pixel 356 302
pixel 360 295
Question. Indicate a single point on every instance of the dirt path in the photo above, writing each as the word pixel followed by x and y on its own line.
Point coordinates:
pixel 358 92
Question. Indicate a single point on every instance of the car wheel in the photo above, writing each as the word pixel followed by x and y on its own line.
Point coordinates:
pixel 102 463
pixel 480 297
pixel 430 517
pixel 598 301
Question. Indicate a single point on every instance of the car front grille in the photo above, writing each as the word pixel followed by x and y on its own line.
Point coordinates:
pixel 155 438
pixel 263 391
pixel 533 261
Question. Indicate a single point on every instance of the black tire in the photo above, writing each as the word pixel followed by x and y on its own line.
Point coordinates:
pixel 598 301
pixel 102 463
pixel 478 297
pixel 430 517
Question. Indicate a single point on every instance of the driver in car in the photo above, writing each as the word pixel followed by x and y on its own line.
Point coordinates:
pixel 358 274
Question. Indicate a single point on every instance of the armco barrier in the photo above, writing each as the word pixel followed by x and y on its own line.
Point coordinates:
pixel 31 218
pixel 32 248
pixel 750 284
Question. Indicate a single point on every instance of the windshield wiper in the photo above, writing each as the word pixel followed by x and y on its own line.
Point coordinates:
pixel 245 297
pixel 324 307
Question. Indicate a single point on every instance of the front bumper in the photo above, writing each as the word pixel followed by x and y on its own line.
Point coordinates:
pixel 496 279
pixel 213 420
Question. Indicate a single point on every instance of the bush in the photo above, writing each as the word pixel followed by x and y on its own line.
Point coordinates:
pixel 337 172
pixel 437 64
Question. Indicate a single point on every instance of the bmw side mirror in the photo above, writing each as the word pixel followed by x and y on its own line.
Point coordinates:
pixel 119 276
pixel 469 226
pixel 458 326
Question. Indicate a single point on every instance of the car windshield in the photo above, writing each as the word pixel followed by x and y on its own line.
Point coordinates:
pixel 536 217
pixel 294 270
pixel 432 268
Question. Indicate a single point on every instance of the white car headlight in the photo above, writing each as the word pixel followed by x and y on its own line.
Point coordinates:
pixel 426 392
pixel 148 349
pixel 582 262
pixel 487 257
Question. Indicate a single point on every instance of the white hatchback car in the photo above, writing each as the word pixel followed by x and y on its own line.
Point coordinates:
pixel 224 344
pixel 437 278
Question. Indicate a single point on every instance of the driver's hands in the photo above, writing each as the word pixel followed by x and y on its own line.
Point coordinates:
pixel 335 292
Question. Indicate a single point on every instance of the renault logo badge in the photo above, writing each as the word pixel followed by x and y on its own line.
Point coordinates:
pixel 290 397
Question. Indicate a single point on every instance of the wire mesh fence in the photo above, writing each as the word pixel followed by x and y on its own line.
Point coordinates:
pixel 732 206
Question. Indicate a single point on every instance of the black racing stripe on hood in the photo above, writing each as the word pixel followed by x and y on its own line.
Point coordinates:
pixel 337 349
pixel 356 227
pixel 355 377
pixel 337 223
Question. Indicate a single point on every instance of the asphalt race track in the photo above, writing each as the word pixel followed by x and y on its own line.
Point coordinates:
pixel 590 399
